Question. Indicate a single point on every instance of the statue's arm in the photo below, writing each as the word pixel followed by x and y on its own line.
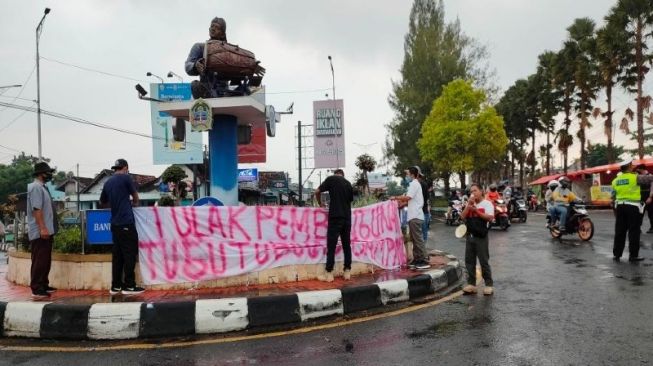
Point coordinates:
pixel 196 53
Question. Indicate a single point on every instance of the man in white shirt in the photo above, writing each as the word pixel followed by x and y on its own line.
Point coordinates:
pixel 414 199
pixel 477 214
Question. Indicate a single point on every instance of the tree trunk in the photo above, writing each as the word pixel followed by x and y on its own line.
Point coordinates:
pixel 608 123
pixel 581 133
pixel 548 151
pixel 534 156
pixel 447 184
pixel 521 172
pixel 639 60
pixel 512 166
pixel 463 179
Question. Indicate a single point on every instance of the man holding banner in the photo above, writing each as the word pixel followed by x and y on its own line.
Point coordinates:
pixel 341 195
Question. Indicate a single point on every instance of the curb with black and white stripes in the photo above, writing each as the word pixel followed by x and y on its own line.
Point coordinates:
pixel 104 321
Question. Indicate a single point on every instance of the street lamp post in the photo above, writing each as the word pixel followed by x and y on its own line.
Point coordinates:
pixel 156 76
pixel 333 91
pixel 39 30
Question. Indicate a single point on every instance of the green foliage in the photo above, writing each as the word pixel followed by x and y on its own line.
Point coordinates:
pixel 462 133
pixel 364 201
pixel 68 240
pixel 597 154
pixel 366 164
pixel 173 174
pixel 166 201
pixel 15 177
pixel 436 52
pixel 394 189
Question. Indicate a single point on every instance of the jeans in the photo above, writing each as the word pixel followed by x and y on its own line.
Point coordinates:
pixel 41 263
pixel 559 212
pixel 338 227
pixel 124 253
pixel 425 226
pixel 476 247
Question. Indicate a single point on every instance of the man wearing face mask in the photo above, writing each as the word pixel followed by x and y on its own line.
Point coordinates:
pixel 42 228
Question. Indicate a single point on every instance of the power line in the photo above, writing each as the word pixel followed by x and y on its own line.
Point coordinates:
pixel 85 122
pixel 15 119
pixel 29 77
pixel 93 70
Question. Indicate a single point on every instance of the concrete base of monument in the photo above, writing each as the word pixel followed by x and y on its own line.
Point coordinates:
pixel 93 272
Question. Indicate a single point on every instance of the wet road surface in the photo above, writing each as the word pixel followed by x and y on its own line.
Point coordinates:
pixel 556 303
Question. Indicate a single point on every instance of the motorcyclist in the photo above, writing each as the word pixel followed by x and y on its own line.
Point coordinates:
pixel 548 196
pixel 492 195
pixel 562 197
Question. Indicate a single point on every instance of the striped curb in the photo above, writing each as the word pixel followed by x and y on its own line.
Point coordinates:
pixel 111 321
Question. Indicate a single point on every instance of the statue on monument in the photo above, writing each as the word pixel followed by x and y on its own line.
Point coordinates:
pixel 224 68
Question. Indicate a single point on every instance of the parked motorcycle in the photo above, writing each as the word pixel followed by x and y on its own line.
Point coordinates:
pixel 578 222
pixel 501 219
pixel 453 216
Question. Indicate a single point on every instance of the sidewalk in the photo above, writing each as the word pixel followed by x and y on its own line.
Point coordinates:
pixel 97 315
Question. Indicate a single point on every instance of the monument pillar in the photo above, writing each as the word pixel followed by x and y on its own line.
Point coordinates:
pixel 223 157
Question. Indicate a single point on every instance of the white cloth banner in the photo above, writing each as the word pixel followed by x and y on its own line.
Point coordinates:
pixel 189 244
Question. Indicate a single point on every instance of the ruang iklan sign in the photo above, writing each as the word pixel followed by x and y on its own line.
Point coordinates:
pixel 329 134
pixel 173 142
pixel 189 244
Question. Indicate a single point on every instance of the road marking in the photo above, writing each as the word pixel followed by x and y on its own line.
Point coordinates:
pixel 148 346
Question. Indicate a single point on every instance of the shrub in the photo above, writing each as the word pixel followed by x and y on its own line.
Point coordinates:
pixel 68 240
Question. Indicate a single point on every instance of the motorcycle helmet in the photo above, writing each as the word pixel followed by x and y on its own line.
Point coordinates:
pixel 564 182
pixel 493 187
pixel 553 184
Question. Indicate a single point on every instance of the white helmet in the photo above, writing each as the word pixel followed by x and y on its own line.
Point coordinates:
pixel 553 184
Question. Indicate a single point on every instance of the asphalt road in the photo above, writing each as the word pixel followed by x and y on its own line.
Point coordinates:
pixel 556 303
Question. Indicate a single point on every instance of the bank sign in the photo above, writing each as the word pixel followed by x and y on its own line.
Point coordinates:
pixel 98 227
pixel 329 134
pixel 248 175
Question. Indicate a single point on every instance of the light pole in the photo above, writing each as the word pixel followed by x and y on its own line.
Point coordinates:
pixel 171 74
pixel 156 76
pixel 333 91
pixel 39 30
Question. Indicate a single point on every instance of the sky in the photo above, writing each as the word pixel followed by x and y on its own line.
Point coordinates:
pixel 292 38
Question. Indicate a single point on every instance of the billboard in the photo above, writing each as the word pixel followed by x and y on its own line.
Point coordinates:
pixel 329 134
pixel 255 151
pixel 273 181
pixel 174 142
pixel 248 175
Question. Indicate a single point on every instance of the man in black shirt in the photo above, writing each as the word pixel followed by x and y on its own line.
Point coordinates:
pixel 427 214
pixel 341 195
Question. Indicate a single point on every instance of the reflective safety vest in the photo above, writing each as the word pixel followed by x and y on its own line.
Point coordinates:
pixel 626 187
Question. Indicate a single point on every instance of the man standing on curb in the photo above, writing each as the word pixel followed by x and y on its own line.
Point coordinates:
pixel 477 214
pixel 414 199
pixel 341 195
pixel 647 201
pixel 116 193
pixel 425 207
pixel 42 226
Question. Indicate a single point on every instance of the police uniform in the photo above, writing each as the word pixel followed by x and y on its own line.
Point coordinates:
pixel 628 206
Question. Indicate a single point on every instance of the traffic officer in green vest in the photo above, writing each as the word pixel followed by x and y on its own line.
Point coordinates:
pixel 628 206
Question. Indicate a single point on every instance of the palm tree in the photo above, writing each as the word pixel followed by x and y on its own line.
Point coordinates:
pixel 549 99
pixel 636 18
pixel 565 82
pixel 582 45
pixel 611 47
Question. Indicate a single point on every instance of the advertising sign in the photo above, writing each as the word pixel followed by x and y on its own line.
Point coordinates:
pixel 273 181
pixel 255 151
pixel 173 142
pixel 247 175
pixel 377 180
pixel 98 227
pixel 329 134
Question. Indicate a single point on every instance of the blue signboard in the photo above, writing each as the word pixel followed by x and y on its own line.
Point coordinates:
pixel 208 201
pixel 248 175
pixel 98 227
pixel 174 142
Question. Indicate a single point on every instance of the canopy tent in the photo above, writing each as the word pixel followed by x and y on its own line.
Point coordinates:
pixel 579 174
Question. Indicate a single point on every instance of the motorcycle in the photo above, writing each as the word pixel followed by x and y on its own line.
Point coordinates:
pixel 453 216
pixel 533 203
pixel 518 209
pixel 578 222
pixel 500 215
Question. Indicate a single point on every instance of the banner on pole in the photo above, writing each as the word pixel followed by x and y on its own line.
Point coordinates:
pixel 190 244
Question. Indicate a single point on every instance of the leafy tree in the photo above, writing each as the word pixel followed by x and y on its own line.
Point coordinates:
pixel 597 154
pixel 635 17
pixel 15 176
pixel 394 189
pixel 366 164
pixel 175 174
pixel 582 48
pixel 435 53
pixel 516 107
pixel 462 133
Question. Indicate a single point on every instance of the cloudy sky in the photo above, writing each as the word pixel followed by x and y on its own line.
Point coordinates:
pixel 292 38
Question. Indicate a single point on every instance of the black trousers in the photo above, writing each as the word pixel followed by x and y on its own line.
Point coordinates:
pixel 628 222
pixel 648 209
pixel 478 248
pixel 125 250
pixel 338 227
pixel 41 263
